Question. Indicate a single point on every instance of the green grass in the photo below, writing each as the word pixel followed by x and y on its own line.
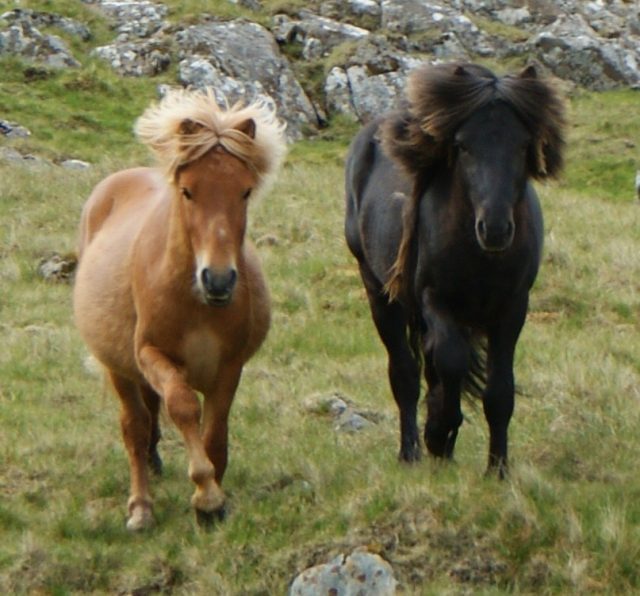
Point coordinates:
pixel 567 519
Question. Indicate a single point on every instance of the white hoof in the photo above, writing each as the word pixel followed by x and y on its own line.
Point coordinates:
pixel 140 518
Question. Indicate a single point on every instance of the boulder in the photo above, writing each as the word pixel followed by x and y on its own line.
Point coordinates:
pixel 135 18
pixel 318 35
pixel 373 95
pixel 572 50
pixel 360 572
pixel 143 58
pixel 25 40
pixel 257 65
pixel 46 19
pixel 12 130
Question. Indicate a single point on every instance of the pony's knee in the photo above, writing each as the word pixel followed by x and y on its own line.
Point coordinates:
pixel 183 406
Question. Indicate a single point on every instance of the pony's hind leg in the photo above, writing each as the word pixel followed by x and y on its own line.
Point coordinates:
pixel 135 422
pixel 153 401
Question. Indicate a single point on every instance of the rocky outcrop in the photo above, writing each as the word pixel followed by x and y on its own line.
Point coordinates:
pixel 363 48
pixel 218 54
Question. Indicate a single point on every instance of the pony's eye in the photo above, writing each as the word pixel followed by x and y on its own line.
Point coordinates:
pixel 247 194
pixel 186 193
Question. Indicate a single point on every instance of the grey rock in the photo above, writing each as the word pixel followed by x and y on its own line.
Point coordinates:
pixel 12 130
pixel 318 35
pixel 75 164
pixel 572 50
pixel 338 93
pixel 46 19
pixel 360 573
pixel 136 18
pixel 351 422
pixel 57 268
pixel 136 58
pixel 373 95
pixel 258 66
pixel 24 40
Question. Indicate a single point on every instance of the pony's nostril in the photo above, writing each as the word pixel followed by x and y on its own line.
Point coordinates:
pixel 217 284
pixel 510 229
pixel 482 228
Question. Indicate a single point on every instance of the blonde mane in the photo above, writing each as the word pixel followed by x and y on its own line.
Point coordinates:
pixel 186 124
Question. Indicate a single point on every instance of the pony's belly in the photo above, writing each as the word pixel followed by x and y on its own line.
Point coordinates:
pixel 103 309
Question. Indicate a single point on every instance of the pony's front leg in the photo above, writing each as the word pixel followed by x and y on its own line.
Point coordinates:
pixel 184 409
pixel 215 429
pixel 447 361
pixel 498 398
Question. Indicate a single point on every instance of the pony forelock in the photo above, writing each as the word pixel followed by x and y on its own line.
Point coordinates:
pixel 186 124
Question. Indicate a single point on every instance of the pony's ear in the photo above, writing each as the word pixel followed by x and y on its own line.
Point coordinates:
pixel 188 127
pixel 529 72
pixel 404 141
pixel 248 127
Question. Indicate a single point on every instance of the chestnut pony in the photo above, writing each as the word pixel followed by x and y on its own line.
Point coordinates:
pixel 445 224
pixel 169 295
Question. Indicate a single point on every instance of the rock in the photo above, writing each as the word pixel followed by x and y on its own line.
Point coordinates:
pixel 12 130
pixel 135 18
pixel 58 268
pixel 346 416
pixel 24 40
pixel 337 93
pixel 351 422
pixel 136 58
pixel 572 50
pixel 257 66
pixel 13 156
pixel 360 573
pixel 46 19
pixel 373 95
pixel 75 164
pixel 318 35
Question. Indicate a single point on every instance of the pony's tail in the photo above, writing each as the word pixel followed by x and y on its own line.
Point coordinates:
pixel 476 379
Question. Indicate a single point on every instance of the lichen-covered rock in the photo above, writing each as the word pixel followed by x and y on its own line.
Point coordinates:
pixel 318 35
pixel 359 574
pixel 40 19
pixel 145 58
pixel 374 95
pixel 135 18
pixel 25 40
pixel 572 50
pixel 258 65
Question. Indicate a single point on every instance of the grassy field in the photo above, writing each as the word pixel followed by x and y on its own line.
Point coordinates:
pixel 566 521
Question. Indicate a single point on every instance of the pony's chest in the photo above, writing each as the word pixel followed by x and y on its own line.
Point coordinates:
pixel 200 353
pixel 475 289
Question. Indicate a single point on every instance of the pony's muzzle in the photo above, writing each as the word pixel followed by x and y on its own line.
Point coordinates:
pixel 496 235
pixel 218 286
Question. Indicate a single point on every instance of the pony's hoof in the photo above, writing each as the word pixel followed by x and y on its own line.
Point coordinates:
pixel 208 519
pixel 141 518
pixel 410 453
pixel 155 463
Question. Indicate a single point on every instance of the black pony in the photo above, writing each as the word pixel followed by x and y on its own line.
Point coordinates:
pixel 447 230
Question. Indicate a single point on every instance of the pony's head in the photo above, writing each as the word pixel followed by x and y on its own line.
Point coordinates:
pixel 493 132
pixel 215 159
